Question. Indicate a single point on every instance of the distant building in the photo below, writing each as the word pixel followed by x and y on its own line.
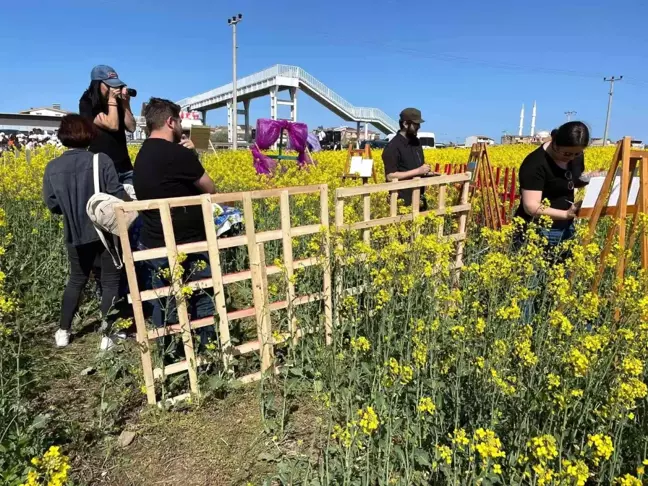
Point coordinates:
pixel 478 139
pixel 54 110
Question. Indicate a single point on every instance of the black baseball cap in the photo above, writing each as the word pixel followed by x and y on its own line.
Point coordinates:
pixel 412 115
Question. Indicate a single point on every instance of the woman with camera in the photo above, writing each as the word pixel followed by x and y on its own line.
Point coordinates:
pixel 106 103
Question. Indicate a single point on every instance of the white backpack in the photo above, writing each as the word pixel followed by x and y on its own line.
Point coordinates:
pixel 101 211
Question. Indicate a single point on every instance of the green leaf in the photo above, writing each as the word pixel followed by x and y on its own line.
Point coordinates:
pixel 422 458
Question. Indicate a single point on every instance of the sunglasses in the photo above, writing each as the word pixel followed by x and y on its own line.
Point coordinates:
pixel 566 155
pixel 570 180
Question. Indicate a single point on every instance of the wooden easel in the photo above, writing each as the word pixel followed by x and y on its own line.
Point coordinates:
pixel 483 176
pixel 365 154
pixel 627 161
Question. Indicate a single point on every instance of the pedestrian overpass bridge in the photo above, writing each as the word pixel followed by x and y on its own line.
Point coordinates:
pixel 284 78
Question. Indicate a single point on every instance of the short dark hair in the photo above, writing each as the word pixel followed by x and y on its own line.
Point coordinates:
pixel 157 112
pixel 76 131
pixel 571 134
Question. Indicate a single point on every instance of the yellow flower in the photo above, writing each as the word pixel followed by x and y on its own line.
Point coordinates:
pixel 360 344
pixel 426 405
pixel 628 480
pixel 601 447
pixel 543 448
pixel 368 420
pixel 445 453
pixel 460 439
pixel 488 445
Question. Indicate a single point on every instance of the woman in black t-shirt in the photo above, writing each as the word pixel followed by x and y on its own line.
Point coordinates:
pixel 552 172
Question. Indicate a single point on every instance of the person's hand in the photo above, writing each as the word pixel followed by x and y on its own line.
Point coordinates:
pixel 425 169
pixel 187 142
pixel 114 94
pixel 123 94
pixel 572 212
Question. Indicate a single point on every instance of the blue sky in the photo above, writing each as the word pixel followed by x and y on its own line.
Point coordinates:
pixel 467 65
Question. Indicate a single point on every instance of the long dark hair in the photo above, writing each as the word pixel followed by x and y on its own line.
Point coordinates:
pixel 97 100
pixel 571 134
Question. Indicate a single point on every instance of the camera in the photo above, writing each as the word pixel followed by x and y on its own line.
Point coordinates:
pixel 131 92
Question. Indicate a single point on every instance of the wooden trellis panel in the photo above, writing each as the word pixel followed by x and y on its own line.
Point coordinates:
pixel 462 209
pixel 257 273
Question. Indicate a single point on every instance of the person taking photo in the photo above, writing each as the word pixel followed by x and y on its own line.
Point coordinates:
pixel 106 103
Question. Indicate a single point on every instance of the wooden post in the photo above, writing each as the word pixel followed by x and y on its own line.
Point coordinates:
pixel 328 290
pixel 284 205
pixel 623 205
pixel 181 304
pixel 366 212
pixel 217 281
pixel 463 219
pixel 442 205
pixel 642 206
pixel 265 327
pixel 416 199
pixel 138 311
pixel 258 293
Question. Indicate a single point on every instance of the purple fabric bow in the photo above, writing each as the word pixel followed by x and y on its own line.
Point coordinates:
pixel 268 132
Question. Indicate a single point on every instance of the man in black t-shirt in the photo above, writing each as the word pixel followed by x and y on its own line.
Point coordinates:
pixel 107 103
pixel 403 157
pixel 164 168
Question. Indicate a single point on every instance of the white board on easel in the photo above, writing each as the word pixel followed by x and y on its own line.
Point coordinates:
pixel 593 189
pixel 361 167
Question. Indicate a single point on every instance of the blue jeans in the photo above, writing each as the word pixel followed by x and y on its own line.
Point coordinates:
pixel 125 177
pixel 199 305
pixel 555 236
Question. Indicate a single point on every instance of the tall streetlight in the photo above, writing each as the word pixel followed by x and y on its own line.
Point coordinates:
pixel 233 21
pixel 569 114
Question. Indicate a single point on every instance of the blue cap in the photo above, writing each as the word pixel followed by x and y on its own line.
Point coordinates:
pixel 106 74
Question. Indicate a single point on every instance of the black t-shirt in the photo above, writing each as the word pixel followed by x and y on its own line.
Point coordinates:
pixel 164 169
pixel 400 155
pixel 113 144
pixel 539 172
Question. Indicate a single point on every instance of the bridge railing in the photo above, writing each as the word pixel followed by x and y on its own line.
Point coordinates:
pixel 295 72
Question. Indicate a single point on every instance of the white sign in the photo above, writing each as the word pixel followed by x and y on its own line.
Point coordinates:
pixel 593 190
pixel 361 167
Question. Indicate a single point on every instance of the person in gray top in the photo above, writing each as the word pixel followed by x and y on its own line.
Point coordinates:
pixel 67 185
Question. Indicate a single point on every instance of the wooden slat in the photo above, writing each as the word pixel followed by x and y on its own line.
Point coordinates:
pixel 366 216
pixel 404 217
pixel 393 201
pixel 442 207
pixel 463 219
pixel 328 289
pixel 224 243
pixel 416 199
pixel 153 253
pixel 265 326
pixel 643 203
pixel 181 304
pixel 174 202
pixel 287 247
pixel 259 289
pixel 345 192
pixel 138 311
pixel 228 278
pixel 623 205
pixel 217 280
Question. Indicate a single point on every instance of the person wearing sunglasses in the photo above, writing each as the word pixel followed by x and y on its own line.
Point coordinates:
pixel 551 173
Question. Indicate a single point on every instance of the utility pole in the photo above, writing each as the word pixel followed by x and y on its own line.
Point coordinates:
pixel 233 21
pixel 569 114
pixel 609 110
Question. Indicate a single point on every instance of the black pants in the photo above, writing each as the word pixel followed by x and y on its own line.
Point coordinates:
pixel 82 259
